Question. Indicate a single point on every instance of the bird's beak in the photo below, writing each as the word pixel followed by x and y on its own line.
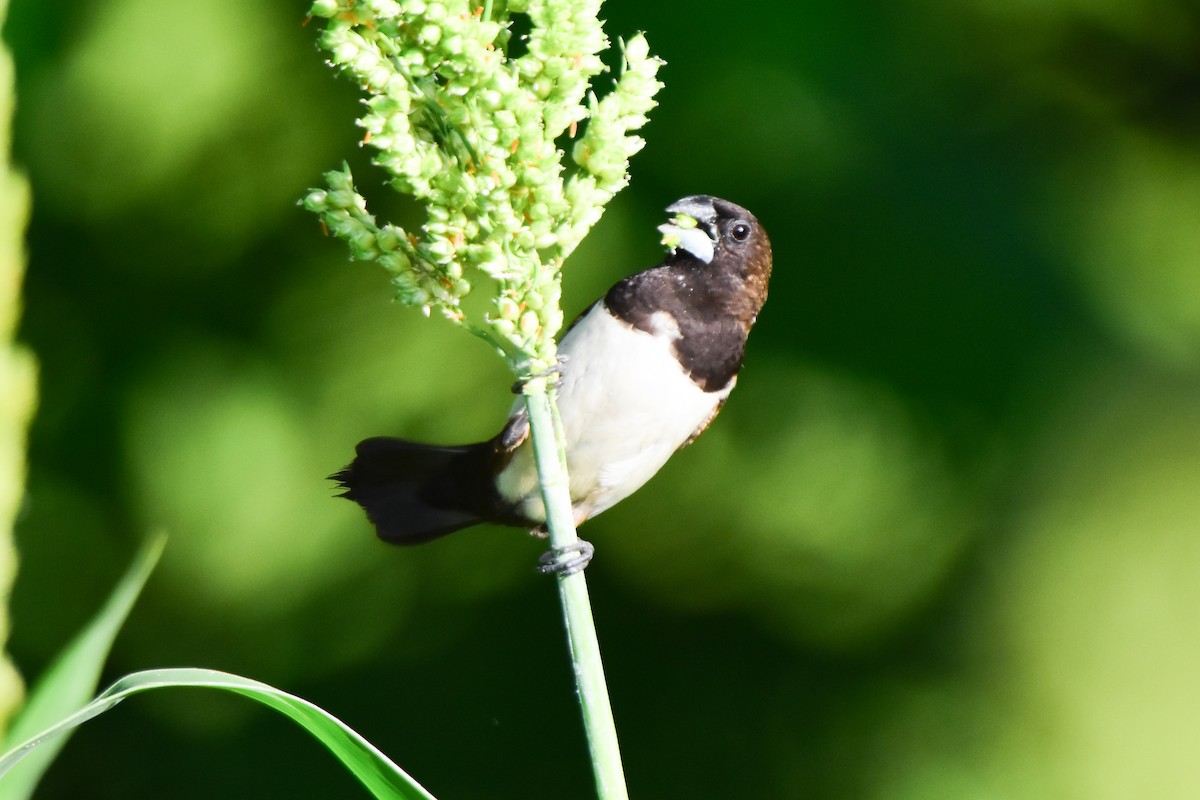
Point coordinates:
pixel 693 227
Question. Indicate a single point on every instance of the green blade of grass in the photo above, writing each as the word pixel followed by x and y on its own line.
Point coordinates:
pixel 70 681
pixel 377 772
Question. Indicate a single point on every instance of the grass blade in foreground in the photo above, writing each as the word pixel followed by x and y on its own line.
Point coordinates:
pixel 375 770
pixel 71 680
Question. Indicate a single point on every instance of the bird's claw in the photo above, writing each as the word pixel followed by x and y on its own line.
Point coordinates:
pixel 566 560
pixel 554 369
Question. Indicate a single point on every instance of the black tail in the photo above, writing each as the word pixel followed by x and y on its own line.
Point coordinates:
pixel 412 492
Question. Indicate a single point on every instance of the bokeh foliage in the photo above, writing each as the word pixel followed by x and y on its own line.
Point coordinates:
pixel 942 541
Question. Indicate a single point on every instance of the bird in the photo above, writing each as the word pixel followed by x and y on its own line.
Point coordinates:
pixel 642 372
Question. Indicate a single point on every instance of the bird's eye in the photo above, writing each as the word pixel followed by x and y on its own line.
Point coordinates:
pixel 740 231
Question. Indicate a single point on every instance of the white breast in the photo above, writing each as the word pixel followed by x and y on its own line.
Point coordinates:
pixel 626 405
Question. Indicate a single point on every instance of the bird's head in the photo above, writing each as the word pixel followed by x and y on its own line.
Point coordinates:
pixel 725 237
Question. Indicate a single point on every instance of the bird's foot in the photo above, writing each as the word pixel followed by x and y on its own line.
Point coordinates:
pixel 554 369
pixel 568 560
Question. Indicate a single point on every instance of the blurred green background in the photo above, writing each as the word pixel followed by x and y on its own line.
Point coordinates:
pixel 943 542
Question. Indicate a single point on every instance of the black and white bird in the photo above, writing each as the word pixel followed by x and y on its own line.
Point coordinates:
pixel 643 372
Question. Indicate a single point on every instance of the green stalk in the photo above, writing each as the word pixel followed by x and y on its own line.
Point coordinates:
pixel 550 454
pixel 18 370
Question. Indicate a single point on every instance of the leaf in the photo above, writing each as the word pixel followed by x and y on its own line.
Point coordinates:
pixel 71 679
pixel 376 771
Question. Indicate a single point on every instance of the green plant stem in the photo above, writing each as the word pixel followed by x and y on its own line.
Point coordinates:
pixel 550 454
pixel 18 370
